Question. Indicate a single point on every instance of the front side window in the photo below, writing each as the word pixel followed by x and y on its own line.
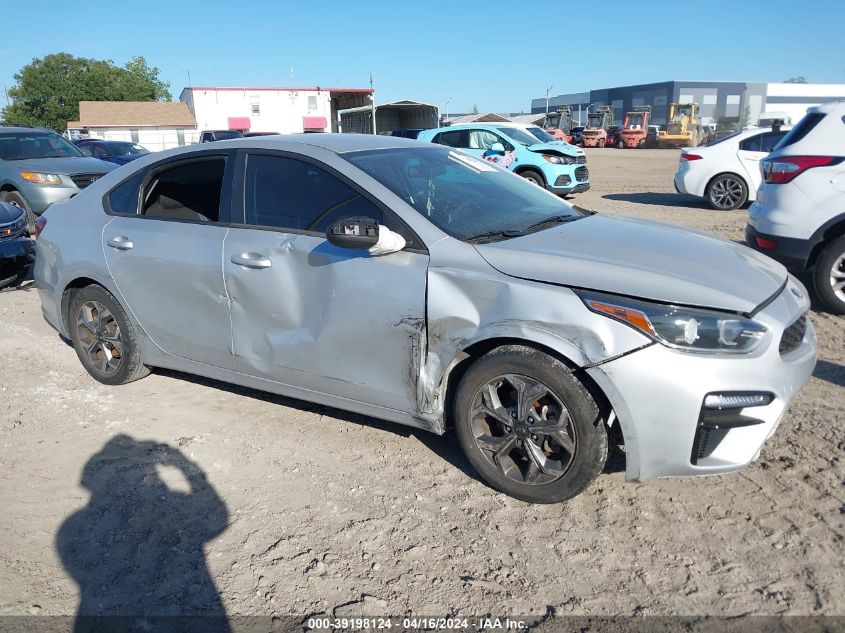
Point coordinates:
pixel 464 197
pixel 186 191
pixel 482 139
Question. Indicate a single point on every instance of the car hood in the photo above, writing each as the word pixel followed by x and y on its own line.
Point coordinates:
pixel 9 213
pixel 644 259
pixel 556 147
pixel 67 165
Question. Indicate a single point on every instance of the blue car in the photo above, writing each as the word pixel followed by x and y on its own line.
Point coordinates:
pixel 558 167
pixel 117 152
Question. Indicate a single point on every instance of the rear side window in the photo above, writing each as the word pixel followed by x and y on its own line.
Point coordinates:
pixel 752 143
pixel 804 127
pixel 455 138
pixel 123 199
pixel 186 191
pixel 770 141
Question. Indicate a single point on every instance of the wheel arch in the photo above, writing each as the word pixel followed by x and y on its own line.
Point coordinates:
pixel 532 168
pixel 69 291
pixel 829 231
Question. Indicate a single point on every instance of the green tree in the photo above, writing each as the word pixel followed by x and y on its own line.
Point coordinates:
pixel 800 79
pixel 48 90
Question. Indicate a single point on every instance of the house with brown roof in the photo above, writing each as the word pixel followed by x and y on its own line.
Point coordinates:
pixel 155 125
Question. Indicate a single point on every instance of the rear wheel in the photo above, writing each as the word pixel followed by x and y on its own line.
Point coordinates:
pixel 829 275
pixel 104 338
pixel 533 176
pixel 528 426
pixel 16 200
pixel 726 192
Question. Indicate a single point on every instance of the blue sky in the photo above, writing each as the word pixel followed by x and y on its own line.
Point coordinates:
pixel 494 54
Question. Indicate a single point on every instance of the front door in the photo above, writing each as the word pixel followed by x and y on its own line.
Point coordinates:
pixel 312 315
pixel 164 256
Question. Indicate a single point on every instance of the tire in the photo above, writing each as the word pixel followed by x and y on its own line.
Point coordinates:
pixel 726 192
pixel 532 176
pixel 97 343
pixel 641 144
pixel 829 275
pixel 571 448
pixel 16 200
pixel 601 142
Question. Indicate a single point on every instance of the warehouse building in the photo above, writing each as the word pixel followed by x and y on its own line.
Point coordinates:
pixel 743 102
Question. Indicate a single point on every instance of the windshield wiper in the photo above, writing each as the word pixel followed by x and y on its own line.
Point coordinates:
pixel 491 236
pixel 555 219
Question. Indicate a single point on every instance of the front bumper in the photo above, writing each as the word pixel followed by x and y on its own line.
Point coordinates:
pixel 658 395
pixel 16 259
pixel 39 197
pixel 568 179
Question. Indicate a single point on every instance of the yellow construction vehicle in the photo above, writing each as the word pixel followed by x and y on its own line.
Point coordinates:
pixel 684 127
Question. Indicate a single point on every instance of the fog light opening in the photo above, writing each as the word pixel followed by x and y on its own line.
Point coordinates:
pixel 721 401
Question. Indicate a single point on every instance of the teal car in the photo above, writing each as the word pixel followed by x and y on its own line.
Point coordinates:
pixel 558 167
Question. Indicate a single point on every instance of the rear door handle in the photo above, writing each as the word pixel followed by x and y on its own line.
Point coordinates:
pixel 251 260
pixel 121 243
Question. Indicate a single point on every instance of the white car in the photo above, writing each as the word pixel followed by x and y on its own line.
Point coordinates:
pixel 727 172
pixel 799 216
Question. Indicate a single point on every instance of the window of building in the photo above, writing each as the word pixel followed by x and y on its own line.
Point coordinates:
pixel 312 103
pixel 256 109
pixel 134 134
pixel 188 190
pixel 180 136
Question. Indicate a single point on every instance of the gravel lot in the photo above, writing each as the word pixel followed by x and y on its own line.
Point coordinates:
pixel 301 509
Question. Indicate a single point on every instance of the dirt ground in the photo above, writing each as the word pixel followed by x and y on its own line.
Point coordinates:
pixel 301 509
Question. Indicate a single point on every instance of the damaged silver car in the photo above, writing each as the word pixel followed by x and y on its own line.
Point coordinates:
pixel 416 284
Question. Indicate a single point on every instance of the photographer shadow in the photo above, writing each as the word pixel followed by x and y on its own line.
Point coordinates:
pixel 136 549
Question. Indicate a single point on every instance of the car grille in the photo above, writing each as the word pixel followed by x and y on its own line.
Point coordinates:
pixel 83 180
pixel 582 173
pixel 793 335
pixel 581 160
pixel 13 230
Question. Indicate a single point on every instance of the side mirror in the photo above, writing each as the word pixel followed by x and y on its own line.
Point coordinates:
pixel 498 148
pixel 359 233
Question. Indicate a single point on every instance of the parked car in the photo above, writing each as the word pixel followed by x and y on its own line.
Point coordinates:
pixel 577 135
pixel 17 252
pixel 556 166
pixel 415 283
pixel 406 132
pixel 799 215
pixel 726 172
pixel 38 167
pixel 209 136
pixel 117 152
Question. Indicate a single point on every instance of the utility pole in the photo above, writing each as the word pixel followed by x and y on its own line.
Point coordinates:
pixel 373 97
pixel 448 101
pixel 548 91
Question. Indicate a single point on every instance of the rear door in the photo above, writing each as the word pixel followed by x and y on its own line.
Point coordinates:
pixel 312 315
pixel 163 248
pixel 754 149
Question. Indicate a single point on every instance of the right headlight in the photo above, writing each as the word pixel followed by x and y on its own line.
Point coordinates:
pixel 681 328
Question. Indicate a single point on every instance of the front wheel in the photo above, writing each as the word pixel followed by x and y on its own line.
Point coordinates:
pixel 726 192
pixel 533 176
pixel 601 142
pixel 829 276
pixel 104 338
pixel 528 426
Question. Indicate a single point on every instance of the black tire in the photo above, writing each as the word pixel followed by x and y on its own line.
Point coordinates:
pixel 532 176
pixel 601 142
pixel 16 199
pixel 509 465
pixel 829 275
pixel 119 369
pixel 726 192
pixel 641 144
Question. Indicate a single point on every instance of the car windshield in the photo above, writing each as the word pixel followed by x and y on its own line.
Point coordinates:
pixel 541 134
pixel 126 149
pixel 595 120
pixel 463 196
pixel 519 135
pixel 25 145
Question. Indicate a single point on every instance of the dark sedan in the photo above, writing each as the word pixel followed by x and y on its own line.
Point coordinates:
pixel 117 152
pixel 17 252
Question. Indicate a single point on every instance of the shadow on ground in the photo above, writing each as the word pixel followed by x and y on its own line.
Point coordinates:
pixel 662 199
pixel 834 373
pixel 136 549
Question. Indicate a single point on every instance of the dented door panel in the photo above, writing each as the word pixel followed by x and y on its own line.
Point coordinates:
pixel 333 320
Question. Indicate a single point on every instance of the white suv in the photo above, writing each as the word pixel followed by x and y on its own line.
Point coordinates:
pixel 799 216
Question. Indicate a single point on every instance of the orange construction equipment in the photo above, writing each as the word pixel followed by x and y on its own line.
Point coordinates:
pixel 559 124
pixel 595 134
pixel 635 127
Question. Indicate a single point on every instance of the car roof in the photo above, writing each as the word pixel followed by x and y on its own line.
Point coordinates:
pixel 334 142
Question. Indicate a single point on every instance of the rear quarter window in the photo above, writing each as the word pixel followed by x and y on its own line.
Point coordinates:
pixel 123 199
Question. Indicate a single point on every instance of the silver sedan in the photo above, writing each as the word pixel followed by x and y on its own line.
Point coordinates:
pixel 413 283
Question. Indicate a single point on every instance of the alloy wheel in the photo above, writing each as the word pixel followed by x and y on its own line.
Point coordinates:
pixel 523 429
pixel 726 193
pixel 837 277
pixel 99 336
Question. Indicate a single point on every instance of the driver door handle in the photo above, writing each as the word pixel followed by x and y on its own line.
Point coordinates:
pixel 255 261
pixel 121 243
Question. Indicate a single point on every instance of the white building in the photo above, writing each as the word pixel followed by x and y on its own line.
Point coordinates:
pixel 794 99
pixel 156 125
pixel 280 110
